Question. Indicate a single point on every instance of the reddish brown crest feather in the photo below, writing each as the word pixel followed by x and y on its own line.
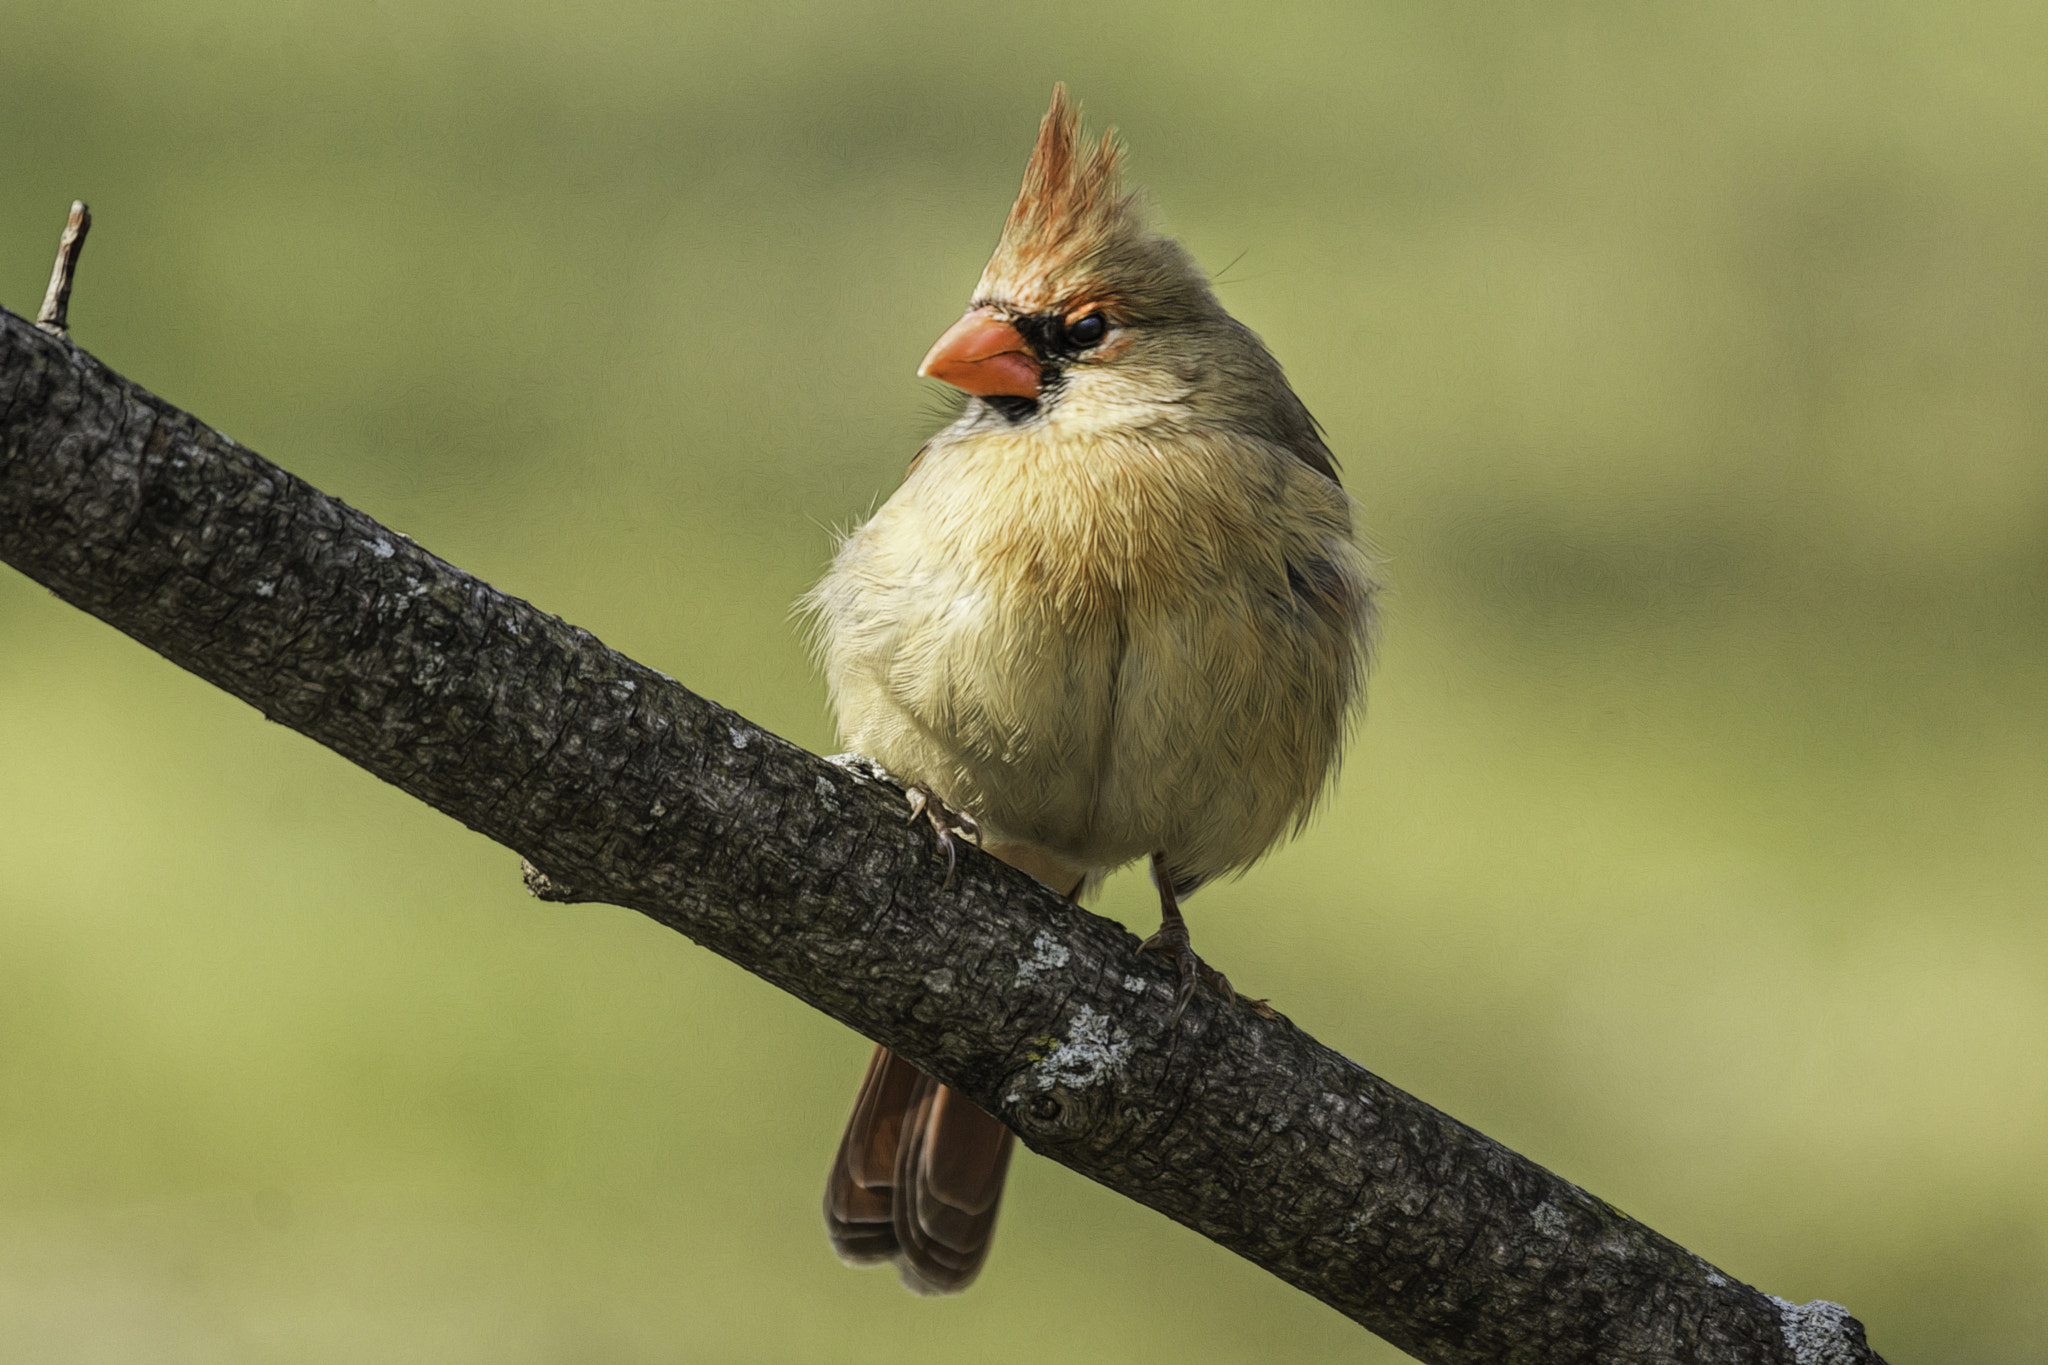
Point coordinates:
pixel 1067 184
pixel 1071 203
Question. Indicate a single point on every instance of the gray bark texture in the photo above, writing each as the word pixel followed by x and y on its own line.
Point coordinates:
pixel 618 784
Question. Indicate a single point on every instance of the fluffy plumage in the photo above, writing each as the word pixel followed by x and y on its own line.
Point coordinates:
pixel 1117 609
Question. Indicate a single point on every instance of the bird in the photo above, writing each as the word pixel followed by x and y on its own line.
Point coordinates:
pixel 1118 610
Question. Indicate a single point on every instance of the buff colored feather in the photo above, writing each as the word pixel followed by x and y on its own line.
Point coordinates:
pixel 1136 622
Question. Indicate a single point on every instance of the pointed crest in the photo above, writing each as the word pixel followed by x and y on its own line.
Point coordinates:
pixel 1072 204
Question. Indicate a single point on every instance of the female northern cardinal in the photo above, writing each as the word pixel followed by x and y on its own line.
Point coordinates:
pixel 1116 611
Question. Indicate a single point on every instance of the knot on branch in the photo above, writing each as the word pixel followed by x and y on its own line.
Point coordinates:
pixel 1062 1092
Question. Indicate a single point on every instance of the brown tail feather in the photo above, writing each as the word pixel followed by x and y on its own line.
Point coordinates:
pixel 917 1180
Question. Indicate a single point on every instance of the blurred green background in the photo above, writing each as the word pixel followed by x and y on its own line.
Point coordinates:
pixel 1687 360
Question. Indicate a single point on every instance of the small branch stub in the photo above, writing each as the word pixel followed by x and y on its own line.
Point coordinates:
pixel 55 314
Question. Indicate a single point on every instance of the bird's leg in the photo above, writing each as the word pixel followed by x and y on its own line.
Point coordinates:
pixel 945 822
pixel 1172 940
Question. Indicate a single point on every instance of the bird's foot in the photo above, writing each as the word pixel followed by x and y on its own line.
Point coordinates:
pixel 1172 940
pixel 946 823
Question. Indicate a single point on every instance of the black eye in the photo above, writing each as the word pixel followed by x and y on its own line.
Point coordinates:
pixel 1088 331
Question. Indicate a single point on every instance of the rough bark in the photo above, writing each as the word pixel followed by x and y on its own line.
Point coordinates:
pixel 618 784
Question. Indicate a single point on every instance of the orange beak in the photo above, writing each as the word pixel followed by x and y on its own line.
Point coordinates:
pixel 983 355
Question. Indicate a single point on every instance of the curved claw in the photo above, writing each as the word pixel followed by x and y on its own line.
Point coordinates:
pixel 1173 941
pixel 945 822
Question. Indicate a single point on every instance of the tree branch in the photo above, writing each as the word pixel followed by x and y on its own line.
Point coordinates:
pixel 618 784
